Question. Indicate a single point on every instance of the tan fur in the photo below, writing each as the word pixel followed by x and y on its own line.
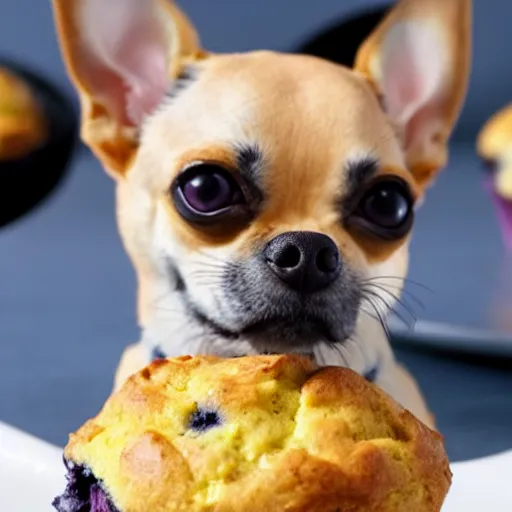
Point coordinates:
pixel 309 116
pixel 113 139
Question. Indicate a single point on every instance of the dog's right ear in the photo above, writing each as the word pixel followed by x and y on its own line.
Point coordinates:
pixel 418 60
pixel 121 56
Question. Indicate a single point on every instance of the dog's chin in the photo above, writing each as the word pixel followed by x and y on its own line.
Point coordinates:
pixel 278 334
pixel 291 334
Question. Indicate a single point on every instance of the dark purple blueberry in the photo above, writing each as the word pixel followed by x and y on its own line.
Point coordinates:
pixel 204 419
pixel 371 375
pixel 99 500
pixel 157 353
pixel 83 493
pixel 490 165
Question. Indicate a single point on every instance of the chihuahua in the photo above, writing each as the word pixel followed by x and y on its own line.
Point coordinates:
pixel 267 199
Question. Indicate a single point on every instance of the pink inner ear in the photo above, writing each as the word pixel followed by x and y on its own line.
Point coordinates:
pixel 412 69
pixel 127 38
pixel 403 85
pixel 142 64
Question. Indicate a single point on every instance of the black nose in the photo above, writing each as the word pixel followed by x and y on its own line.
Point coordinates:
pixel 305 261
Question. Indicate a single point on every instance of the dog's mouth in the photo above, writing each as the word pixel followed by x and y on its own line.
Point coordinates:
pixel 282 331
pixel 288 329
pixel 307 330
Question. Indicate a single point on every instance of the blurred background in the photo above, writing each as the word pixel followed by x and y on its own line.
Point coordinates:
pixel 67 290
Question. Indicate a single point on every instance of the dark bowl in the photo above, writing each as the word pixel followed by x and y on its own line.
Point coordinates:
pixel 340 41
pixel 26 182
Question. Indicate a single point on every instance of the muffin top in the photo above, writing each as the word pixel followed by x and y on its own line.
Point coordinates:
pixel 258 434
pixel 22 124
pixel 494 145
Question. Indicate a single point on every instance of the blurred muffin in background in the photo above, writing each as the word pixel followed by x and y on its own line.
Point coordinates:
pixel 23 127
pixel 494 146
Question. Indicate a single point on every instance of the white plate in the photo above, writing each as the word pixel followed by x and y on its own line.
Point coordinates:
pixel 31 475
pixel 481 485
pixel 31 472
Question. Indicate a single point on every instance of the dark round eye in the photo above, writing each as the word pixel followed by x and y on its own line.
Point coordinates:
pixel 209 192
pixel 206 190
pixel 387 209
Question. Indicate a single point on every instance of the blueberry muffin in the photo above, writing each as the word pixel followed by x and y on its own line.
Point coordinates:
pixel 494 145
pixel 253 434
pixel 22 124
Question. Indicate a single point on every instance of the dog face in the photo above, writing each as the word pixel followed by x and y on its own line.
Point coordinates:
pixel 266 222
pixel 265 199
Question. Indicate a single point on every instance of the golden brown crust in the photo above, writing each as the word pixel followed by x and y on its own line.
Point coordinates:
pixel 293 438
pixel 22 123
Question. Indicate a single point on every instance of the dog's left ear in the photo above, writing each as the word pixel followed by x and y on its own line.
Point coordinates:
pixel 418 60
pixel 121 56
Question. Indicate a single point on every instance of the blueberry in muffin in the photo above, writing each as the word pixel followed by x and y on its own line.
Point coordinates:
pixel 253 434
